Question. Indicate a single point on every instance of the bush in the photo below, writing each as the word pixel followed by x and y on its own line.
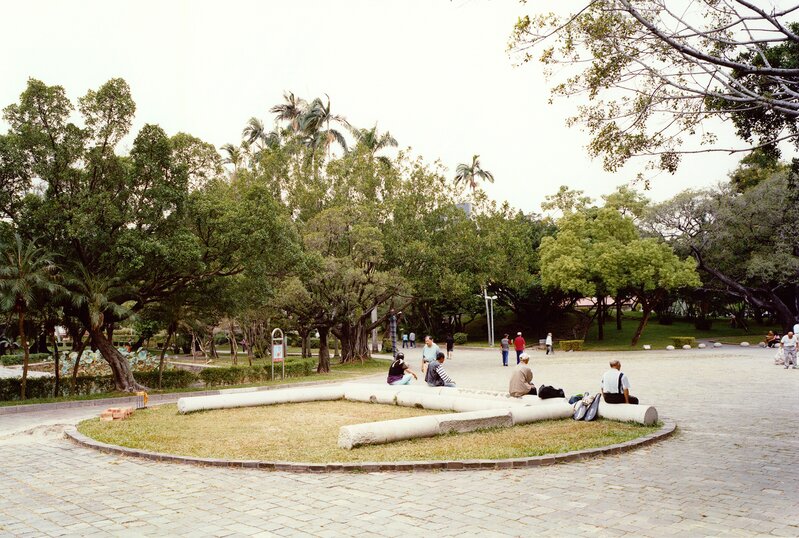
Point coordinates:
pixel 44 387
pixel 571 345
pixel 460 338
pixel 239 375
pixel 680 341
pixel 704 324
pixel 171 379
pixel 666 318
pixel 9 360
pixel 386 346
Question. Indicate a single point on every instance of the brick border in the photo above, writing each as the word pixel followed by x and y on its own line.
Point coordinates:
pixel 666 431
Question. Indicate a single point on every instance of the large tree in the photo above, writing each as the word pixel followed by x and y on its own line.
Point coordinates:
pixel 131 229
pixel 653 72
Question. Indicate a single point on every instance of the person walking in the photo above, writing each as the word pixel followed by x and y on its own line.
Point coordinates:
pixel 518 344
pixel 450 340
pixel 412 339
pixel 404 340
pixel 788 345
pixel 548 343
pixel 504 346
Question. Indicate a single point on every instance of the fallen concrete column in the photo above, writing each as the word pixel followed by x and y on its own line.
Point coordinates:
pixel 371 394
pixel 267 397
pixel 474 420
pixel 550 411
pixel 389 431
pixel 643 414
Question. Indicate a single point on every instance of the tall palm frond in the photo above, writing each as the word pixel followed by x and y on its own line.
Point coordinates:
pixel 465 173
pixel 290 110
pixel 25 270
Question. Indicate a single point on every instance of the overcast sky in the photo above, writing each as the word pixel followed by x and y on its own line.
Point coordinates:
pixel 435 73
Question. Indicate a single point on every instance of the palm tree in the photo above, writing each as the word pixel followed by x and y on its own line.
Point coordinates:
pixel 470 173
pixel 315 123
pixel 372 141
pixel 25 270
pixel 290 111
pixel 235 156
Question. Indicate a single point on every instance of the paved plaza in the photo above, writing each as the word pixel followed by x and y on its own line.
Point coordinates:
pixel 732 469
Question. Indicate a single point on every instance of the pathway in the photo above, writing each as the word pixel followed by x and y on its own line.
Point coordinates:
pixel 731 469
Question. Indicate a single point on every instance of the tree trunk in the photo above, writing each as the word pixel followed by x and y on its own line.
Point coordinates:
pixel 324 351
pixel 600 319
pixel 336 354
pixel 123 376
pixel 25 354
pixel 374 331
pixel 81 347
pixel 618 301
pixel 354 342
pixel 234 347
pixel 214 354
pixel 639 331
pixel 163 354
pixel 57 365
pixel 193 345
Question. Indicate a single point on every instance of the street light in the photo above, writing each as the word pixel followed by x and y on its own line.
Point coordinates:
pixel 489 299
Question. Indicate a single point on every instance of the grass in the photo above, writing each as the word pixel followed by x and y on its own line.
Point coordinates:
pixel 659 336
pixel 339 372
pixel 308 432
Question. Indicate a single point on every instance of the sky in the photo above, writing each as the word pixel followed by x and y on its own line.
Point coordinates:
pixel 435 73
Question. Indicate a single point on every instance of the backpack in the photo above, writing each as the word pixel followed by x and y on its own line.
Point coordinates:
pixel 593 409
pixel 546 392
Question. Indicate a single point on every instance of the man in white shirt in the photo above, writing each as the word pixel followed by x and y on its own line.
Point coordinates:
pixel 429 353
pixel 616 386
pixel 788 345
pixel 548 343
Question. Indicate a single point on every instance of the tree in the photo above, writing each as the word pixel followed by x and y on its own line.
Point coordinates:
pixel 315 124
pixel 470 173
pixel 746 244
pixel 653 74
pixel 25 270
pixel 373 141
pixel 598 252
pixel 139 228
pixel 290 111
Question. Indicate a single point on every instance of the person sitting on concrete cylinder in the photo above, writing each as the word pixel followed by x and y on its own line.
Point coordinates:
pixel 436 375
pixel 399 373
pixel 616 386
pixel 521 382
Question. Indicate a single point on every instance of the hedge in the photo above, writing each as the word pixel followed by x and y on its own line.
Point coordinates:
pixel 460 338
pixel 44 387
pixel 680 341
pixel 571 345
pixel 9 360
pixel 238 375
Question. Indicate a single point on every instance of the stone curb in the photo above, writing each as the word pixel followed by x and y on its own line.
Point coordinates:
pixel 121 401
pixel 668 429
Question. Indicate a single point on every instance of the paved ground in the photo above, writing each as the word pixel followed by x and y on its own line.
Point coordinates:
pixel 731 469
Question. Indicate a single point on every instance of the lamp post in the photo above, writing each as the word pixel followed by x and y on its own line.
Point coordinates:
pixel 489 299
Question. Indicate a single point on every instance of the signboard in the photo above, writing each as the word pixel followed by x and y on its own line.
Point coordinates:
pixel 278 352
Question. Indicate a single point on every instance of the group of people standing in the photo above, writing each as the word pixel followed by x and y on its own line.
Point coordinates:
pixel 519 345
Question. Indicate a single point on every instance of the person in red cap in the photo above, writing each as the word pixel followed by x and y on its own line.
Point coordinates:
pixel 519 344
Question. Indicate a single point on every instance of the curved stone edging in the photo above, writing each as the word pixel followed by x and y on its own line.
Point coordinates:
pixel 668 429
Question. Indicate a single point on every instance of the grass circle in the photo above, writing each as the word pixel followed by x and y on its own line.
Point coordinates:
pixel 308 432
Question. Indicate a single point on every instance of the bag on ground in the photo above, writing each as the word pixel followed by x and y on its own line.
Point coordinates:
pixel 546 392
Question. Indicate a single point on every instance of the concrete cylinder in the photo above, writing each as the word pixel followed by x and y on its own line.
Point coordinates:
pixel 642 414
pixel 265 397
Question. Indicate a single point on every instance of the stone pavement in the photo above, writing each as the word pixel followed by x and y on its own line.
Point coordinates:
pixel 730 470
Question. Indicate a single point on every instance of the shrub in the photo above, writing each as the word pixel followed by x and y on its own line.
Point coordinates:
pixel 460 338
pixel 9 360
pixel 704 324
pixel 171 379
pixel 44 387
pixel 386 346
pixel 571 345
pixel 666 318
pixel 239 375
pixel 680 341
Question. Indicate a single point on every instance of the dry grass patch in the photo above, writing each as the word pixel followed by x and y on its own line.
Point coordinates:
pixel 308 432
